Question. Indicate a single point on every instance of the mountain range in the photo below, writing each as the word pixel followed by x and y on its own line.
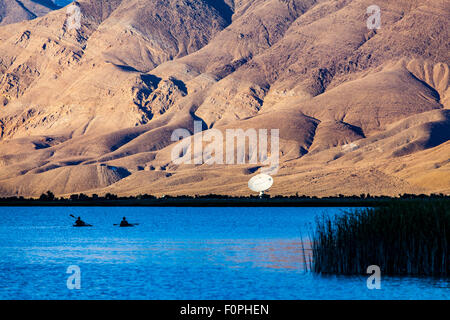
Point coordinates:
pixel 93 109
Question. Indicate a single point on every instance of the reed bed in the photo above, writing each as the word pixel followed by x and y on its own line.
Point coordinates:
pixel 402 238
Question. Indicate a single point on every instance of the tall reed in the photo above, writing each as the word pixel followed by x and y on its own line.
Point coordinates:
pixel 402 238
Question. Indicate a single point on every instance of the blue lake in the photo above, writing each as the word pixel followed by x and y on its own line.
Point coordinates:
pixel 177 253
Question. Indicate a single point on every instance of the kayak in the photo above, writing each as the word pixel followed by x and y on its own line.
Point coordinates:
pixel 86 225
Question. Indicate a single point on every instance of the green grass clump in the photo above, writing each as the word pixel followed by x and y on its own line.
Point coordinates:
pixel 402 238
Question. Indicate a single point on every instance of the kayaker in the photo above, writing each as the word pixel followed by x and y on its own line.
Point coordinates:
pixel 80 223
pixel 124 222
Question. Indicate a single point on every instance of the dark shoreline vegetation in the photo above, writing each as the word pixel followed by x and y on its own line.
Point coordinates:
pixel 402 238
pixel 111 200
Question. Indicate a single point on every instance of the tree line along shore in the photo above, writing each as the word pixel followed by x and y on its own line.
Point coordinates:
pixel 363 200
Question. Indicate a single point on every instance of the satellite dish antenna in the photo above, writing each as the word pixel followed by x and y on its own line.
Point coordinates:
pixel 260 183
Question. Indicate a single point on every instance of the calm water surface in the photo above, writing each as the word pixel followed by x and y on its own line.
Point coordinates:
pixel 177 253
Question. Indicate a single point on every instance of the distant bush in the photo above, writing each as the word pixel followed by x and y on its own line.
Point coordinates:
pixel 49 196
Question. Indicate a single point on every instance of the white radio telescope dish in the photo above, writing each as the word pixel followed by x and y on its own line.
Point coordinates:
pixel 260 183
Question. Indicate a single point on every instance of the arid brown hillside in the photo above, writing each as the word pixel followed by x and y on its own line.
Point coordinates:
pixel 93 109
pixel 12 11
